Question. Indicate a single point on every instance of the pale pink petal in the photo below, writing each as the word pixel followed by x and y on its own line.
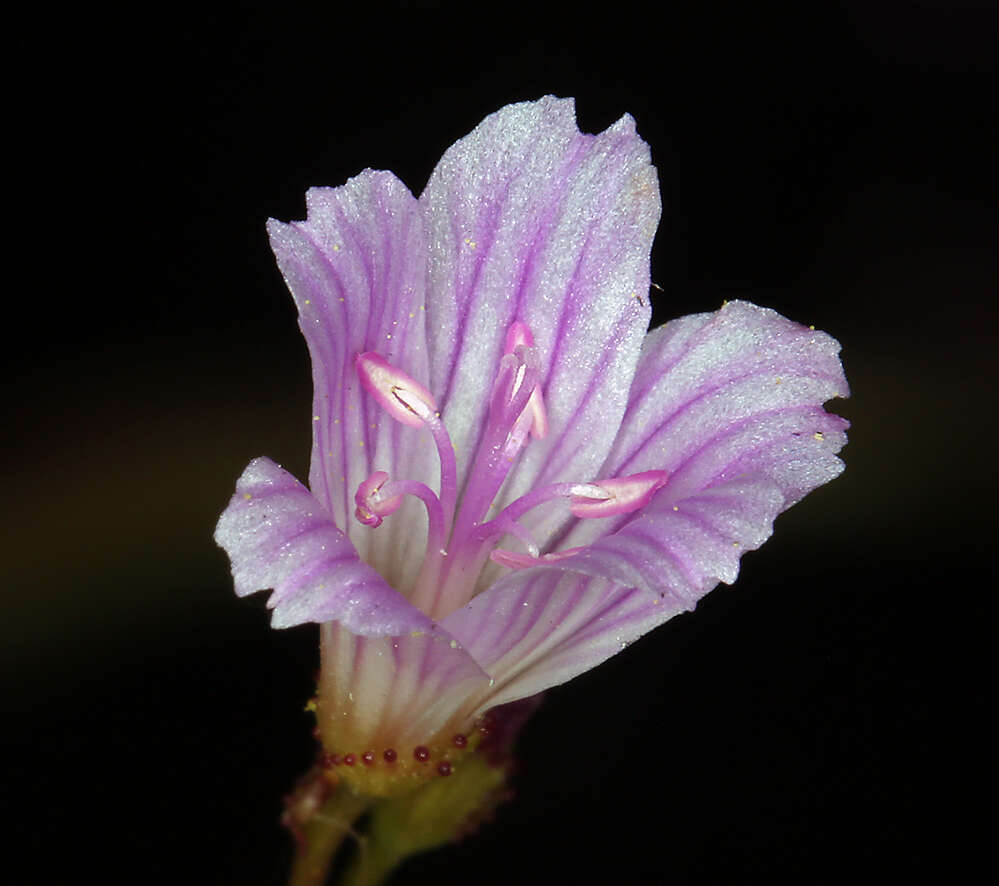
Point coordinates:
pixel 732 395
pixel 730 406
pixel 278 536
pixel 356 269
pixel 679 549
pixel 538 628
pixel 394 692
pixel 531 221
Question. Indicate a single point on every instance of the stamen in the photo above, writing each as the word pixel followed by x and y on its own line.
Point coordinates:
pixel 622 495
pixel 472 550
pixel 539 415
pixel 503 525
pixel 519 335
pixel 505 519
pixel 458 544
pixel 402 397
pixel 506 433
pixel 517 379
pixel 407 401
pixel 376 498
pixel 449 468
pixel 372 505
pixel 515 560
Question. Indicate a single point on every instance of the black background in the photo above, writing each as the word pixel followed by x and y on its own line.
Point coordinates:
pixel 836 164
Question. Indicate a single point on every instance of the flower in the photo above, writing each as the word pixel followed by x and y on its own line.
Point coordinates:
pixel 510 479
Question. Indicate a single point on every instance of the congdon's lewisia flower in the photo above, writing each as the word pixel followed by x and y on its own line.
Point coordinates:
pixel 510 479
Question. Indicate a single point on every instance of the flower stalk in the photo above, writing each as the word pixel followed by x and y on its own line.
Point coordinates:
pixel 432 816
pixel 321 817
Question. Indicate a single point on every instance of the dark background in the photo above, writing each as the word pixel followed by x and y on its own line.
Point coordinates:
pixel 836 164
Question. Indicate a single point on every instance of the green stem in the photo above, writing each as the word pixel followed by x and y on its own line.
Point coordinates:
pixel 372 864
pixel 322 836
pixel 433 815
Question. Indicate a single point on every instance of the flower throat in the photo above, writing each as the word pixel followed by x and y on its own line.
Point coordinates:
pixel 459 539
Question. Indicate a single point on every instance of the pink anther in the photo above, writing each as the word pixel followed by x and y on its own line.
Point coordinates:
pixel 515 560
pixel 520 335
pixel 371 505
pixel 622 495
pixel 539 415
pixel 402 397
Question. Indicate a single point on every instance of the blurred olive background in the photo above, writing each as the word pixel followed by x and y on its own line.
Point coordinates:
pixel 836 164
